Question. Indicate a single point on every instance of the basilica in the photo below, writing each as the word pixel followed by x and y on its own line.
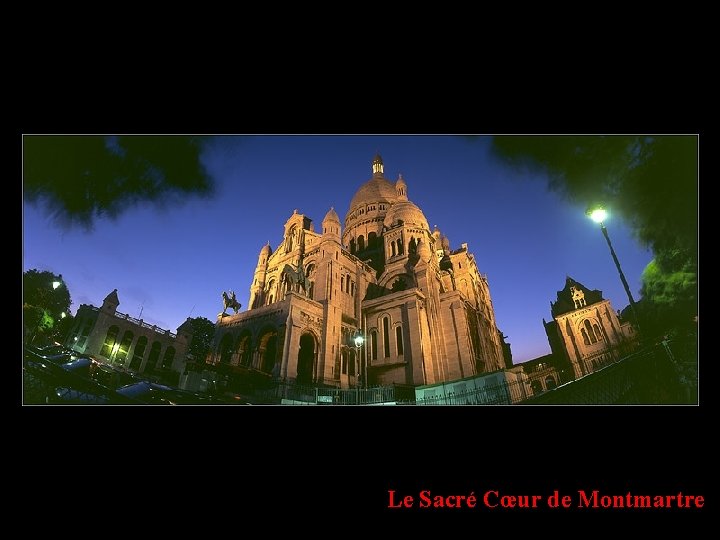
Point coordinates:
pixel 376 299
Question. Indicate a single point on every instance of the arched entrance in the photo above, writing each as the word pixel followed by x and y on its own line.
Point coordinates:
pixel 306 359
pixel 244 348
pixel 268 351
pixel 226 349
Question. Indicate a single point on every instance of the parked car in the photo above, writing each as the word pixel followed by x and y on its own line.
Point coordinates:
pixel 137 393
pixel 158 394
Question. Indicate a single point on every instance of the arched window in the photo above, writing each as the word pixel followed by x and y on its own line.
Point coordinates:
pixel 386 336
pixel 374 343
pixel 342 283
pixel 290 239
pixel 399 340
pixel 109 342
pixel 270 289
pixel 400 248
pixel 352 288
pixel 598 334
pixel 361 242
pixel 550 382
pixel 84 332
pixel 139 353
pixel 124 347
pixel 352 246
pixel 590 332
pixel 392 244
pixel 168 357
pixel 311 290
pixel 586 339
pixel 153 358
pixel 347 285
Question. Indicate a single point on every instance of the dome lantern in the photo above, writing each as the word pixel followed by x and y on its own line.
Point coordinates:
pixel 377 165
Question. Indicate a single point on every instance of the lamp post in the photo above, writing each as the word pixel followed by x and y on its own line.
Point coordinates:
pixel 359 340
pixel 598 215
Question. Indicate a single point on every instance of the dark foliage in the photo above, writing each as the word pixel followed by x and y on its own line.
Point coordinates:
pixel 80 178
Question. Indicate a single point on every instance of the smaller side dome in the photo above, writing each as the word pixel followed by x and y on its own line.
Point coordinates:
pixel 407 213
pixel 331 216
pixel 266 249
pixel 331 223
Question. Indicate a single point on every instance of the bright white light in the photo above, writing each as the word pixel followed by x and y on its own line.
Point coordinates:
pixel 359 341
pixel 63 315
pixel 598 215
pixel 56 284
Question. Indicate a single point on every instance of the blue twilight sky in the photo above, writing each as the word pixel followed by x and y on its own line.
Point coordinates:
pixel 174 261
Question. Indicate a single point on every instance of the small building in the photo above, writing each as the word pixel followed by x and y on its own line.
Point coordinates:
pixel 544 373
pixel 132 344
pixel 586 332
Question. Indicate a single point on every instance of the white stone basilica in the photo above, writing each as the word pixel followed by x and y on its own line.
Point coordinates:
pixel 423 310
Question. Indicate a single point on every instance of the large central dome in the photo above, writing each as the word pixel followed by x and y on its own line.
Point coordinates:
pixel 375 190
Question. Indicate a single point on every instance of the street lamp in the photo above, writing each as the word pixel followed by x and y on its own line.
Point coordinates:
pixel 598 215
pixel 359 340
pixel 57 283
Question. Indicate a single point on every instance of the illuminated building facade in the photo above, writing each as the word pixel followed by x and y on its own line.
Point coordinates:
pixel 424 310
pixel 586 332
pixel 129 343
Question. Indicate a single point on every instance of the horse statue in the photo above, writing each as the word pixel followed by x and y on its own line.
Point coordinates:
pixel 229 301
pixel 298 279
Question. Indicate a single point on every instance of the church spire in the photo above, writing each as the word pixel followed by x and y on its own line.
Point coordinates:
pixel 377 165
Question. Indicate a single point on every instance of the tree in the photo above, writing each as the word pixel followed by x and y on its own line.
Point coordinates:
pixel 650 181
pixel 81 178
pixel 203 331
pixel 45 299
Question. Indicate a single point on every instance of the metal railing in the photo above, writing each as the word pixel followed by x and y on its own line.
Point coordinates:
pixel 290 390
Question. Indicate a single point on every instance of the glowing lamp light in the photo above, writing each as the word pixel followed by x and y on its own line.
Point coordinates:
pixel 63 315
pixel 598 215
pixel 359 341
pixel 56 284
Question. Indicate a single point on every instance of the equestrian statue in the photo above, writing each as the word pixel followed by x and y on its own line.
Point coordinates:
pixel 229 301
pixel 296 277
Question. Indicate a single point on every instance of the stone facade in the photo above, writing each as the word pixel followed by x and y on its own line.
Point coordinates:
pixel 586 332
pixel 423 310
pixel 118 339
pixel 544 373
